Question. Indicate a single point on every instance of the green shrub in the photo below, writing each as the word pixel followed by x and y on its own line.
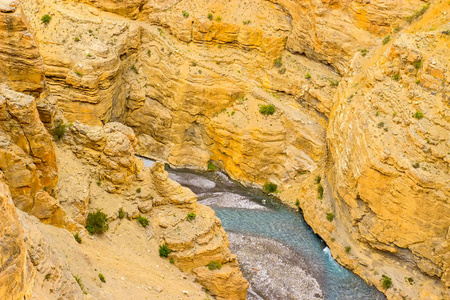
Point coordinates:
pixel 333 83
pixel 417 81
pixel 410 280
pixel 330 216
pixel 308 76
pixel 380 125
pixel 46 19
pixel 297 203
pixel 210 16
pixel 386 39
pixel 246 22
pixel 317 179
pixel 416 165
pixel 348 249
pixel 77 238
pixel 277 62
pixel 143 221
pixel 164 250
pixel 79 74
pixel 59 130
pixel 101 277
pixel 172 261
pixel 282 70
pixel 212 166
pixel 396 77
pixel 191 216
pixel 76 39
pixel 134 69
pixel 185 14
pixel 364 52
pixel 417 13
pixel 418 115
pixel 320 191
pixel 386 282
pixel 138 190
pixel 266 110
pixel 97 222
pixel 121 213
pixel 48 276
pixel 78 280
pixel 270 187
pixel 214 265
pixel 417 64
pixel 219 18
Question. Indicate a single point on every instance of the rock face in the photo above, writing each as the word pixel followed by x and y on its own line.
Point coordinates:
pixel 16 271
pixel 110 152
pixel 20 61
pixel 360 128
pixel 27 157
pixel 198 242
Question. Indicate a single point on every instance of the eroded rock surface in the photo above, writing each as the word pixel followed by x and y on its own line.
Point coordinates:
pixel 361 113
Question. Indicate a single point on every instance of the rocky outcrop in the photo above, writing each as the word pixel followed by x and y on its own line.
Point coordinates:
pixel 197 241
pixel 109 150
pixel 21 64
pixel 109 146
pixel 396 120
pixel 16 270
pixel 27 157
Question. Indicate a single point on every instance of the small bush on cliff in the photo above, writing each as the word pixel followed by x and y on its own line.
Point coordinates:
pixel 320 191
pixel 214 265
pixel 418 115
pixel 364 52
pixel 348 249
pixel 417 13
pixel 101 277
pixel 185 14
pixel 59 130
pixel 270 187
pixel 210 16
pixel 191 216
pixel 386 39
pixel 121 213
pixel 266 110
pixel 317 179
pixel 417 64
pixel 333 83
pixel 97 222
pixel 46 19
pixel 164 250
pixel 386 282
pixel 211 166
pixel 308 76
pixel 330 216
pixel 277 62
pixel 143 221
pixel 77 238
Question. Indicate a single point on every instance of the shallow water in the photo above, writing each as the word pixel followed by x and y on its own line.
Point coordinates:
pixel 278 252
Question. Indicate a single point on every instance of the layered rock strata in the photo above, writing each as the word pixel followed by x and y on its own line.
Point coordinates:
pixel 350 81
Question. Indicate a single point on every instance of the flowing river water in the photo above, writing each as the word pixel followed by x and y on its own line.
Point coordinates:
pixel 278 252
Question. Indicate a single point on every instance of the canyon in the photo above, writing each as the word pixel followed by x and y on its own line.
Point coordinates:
pixel 358 140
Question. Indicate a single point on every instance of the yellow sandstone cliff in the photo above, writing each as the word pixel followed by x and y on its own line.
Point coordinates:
pixel 361 97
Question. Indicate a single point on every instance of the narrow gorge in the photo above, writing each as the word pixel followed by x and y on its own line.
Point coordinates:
pixel 336 112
